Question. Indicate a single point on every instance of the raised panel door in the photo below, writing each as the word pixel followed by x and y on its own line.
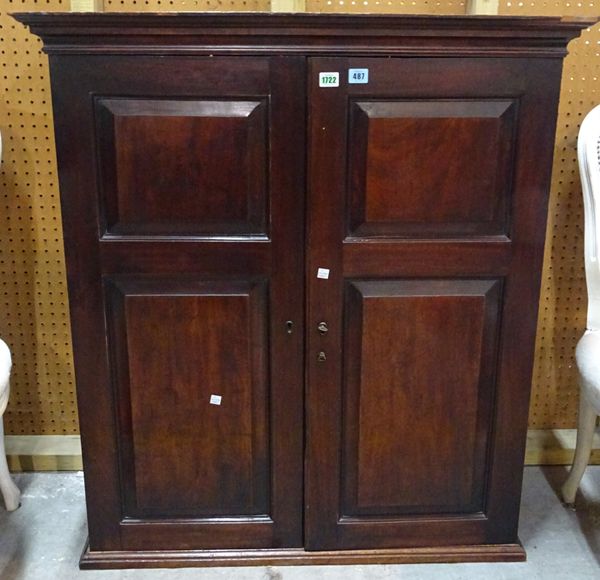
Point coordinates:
pixel 183 203
pixel 190 359
pixel 427 209
pixel 419 370
pixel 437 167
pixel 173 166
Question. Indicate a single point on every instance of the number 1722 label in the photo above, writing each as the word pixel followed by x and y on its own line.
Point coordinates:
pixel 329 79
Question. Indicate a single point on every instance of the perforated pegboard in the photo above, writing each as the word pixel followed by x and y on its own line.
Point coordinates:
pixel 185 5
pixel 34 317
pixel 388 6
pixel 34 314
pixel 563 304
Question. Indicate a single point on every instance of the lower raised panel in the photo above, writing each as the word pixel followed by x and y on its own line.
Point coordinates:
pixel 190 370
pixel 420 358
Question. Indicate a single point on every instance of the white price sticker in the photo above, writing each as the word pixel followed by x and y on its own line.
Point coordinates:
pixel 323 273
pixel 215 399
pixel 358 76
pixel 329 79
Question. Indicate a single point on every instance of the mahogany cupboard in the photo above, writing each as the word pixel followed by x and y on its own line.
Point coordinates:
pixel 304 260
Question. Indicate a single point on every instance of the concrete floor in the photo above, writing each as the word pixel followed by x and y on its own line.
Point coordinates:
pixel 43 540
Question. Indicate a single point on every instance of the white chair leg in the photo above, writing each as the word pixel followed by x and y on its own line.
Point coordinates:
pixel 10 492
pixel 586 425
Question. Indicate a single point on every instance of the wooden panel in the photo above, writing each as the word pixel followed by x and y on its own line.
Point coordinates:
pixel 417 401
pixel 43 398
pixel 176 346
pixel 430 167
pixel 461 257
pixel 281 557
pixel 187 167
pixel 483 505
pixel 185 259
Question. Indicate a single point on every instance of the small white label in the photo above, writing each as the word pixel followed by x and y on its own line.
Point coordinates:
pixel 358 76
pixel 329 79
pixel 323 273
pixel 215 399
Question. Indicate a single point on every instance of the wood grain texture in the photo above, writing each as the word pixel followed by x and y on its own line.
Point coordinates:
pixel 482 553
pixel 189 33
pixel 489 512
pixel 183 167
pixel 179 344
pixel 43 398
pixel 452 285
pixel 264 466
pixel 417 401
pixel 426 168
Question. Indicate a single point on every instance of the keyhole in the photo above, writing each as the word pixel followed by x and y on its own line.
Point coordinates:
pixel 289 325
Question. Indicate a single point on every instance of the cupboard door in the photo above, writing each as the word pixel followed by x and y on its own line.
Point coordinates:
pixel 427 213
pixel 182 199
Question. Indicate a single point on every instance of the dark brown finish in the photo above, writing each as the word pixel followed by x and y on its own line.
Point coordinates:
pixel 417 401
pixel 125 384
pixel 481 505
pixel 186 155
pixel 302 34
pixel 430 167
pixel 187 167
pixel 290 557
pixel 177 345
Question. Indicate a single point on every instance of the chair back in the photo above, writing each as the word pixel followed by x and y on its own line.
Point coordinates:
pixel 588 153
pixel 5 362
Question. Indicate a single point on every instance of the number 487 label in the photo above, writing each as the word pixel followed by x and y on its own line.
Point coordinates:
pixel 329 79
pixel 358 76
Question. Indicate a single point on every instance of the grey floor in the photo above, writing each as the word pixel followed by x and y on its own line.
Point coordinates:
pixel 43 539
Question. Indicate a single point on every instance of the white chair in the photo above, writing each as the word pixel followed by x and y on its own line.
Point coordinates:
pixel 588 348
pixel 10 492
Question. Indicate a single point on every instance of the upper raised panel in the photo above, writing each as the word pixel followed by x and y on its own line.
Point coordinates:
pixel 183 167
pixel 420 367
pixel 190 368
pixel 430 168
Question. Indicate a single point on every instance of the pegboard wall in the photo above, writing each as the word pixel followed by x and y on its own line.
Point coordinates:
pixel 34 317
pixel 388 6
pixel 563 304
pixel 185 5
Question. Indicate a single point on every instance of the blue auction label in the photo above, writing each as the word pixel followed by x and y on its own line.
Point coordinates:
pixel 358 76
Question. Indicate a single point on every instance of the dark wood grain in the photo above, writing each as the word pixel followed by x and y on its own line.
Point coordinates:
pixel 418 257
pixel 183 167
pixel 173 559
pixel 192 149
pixel 239 471
pixel 426 168
pixel 182 344
pixel 417 401
pixel 360 491
pixel 264 33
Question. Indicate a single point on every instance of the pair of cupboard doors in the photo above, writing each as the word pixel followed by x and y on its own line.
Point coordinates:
pixel 303 294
